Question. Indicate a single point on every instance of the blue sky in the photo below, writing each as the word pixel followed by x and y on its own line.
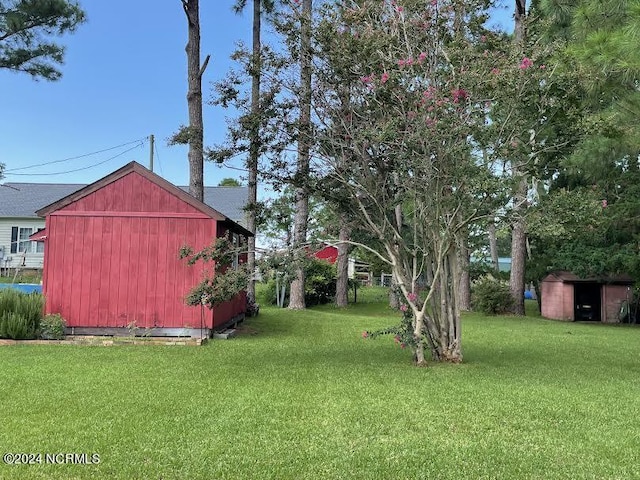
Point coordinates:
pixel 124 79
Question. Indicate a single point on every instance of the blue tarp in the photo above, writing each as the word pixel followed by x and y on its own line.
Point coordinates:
pixel 23 287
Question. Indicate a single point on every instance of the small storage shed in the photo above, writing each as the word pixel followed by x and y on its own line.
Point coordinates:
pixel 112 261
pixel 566 296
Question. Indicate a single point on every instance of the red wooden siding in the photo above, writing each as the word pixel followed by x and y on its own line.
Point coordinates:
pixel 112 259
pixel 328 253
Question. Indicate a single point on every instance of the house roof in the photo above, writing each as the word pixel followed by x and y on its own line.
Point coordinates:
pixel 152 177
pixel 24 199
pixel 568 277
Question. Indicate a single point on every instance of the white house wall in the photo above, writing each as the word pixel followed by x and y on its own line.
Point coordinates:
pixel 32 259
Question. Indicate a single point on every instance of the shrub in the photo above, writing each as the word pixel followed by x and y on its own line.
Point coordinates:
pixel 52 327
pixel 491 296
pixel 17 327
pixel 320 282
pixel 319 285
pixel 20 314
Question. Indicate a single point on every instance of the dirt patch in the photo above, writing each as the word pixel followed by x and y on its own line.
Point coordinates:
pixel 246 330
pixel 110 341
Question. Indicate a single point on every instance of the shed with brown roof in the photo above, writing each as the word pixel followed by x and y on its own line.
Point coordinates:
pixel 565 296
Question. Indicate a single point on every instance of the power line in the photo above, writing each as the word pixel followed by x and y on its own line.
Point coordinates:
pixel 71 158
pixel 83 168
pixel 157 155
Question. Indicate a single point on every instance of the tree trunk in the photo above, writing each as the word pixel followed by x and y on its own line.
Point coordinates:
pixel 342 267
pixel 194 99
pixel 518 255
pixel 493 246
pixel 443 329
pixel 462 273
pixel 518 247
pixel 518 232
pixel 254 148
pixel 519 32
pixel 296 295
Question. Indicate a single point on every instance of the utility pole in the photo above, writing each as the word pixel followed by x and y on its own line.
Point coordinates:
pixel 151 152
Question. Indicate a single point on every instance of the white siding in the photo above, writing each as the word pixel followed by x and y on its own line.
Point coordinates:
pixel 32 259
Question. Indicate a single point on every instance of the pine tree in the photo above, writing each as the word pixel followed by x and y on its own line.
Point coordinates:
pixel 26 29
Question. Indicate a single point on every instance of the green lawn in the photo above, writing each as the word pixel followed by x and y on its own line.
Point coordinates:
pixel 303 395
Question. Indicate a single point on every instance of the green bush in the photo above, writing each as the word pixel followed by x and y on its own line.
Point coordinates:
pixel 17 327
pixel 319 285
pixel 491 296
pixel 52 327
pixel 20 314
pixel 9 299
pixel 320 282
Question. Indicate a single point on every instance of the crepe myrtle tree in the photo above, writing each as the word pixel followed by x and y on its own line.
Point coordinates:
pixel 401 96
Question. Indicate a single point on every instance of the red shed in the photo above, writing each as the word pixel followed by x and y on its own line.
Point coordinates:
pixel 112 257
pixel 328 253
pixel 565 296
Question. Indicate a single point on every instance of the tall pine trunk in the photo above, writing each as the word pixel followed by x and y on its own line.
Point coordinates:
pixel 342 267
pixel 518 226
pixel 194 99
pixel 254 148
pixel 462 273
pixel 296 298
pixel 493 246
pixel 518 248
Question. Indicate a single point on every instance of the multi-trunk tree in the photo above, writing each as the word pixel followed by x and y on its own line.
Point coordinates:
pixel 401 140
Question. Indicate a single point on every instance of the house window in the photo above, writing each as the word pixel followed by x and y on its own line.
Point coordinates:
pixel 20 242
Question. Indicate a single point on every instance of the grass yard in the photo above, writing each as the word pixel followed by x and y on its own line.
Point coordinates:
pixel 303 395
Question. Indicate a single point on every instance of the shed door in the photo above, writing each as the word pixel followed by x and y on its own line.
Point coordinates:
pixel 587 301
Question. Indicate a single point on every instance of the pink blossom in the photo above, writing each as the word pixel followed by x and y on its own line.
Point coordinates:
pixel 403 308
pixel 434 3
pixel 459 94
pixel 604 203
pixel 542 67
pixel 399 9
pixel 412 297
pixel 401 62
pixel 409 61
pixel 526 63
pixel 365 334
pixel 411 115
pixel 483 38
pixel 430 122
pixel 495 71
pixel 421 57
pixel 402 345
pixel 429 92
pixel 367 79
pixel 384 77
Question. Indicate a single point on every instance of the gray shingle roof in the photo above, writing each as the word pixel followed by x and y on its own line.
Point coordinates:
pixel 23 199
